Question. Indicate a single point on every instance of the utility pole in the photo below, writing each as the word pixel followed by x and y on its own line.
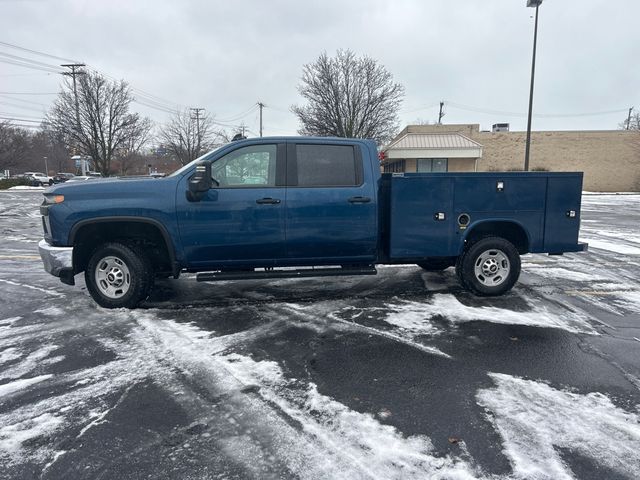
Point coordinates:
pixel 527 148
pixel 261 105
pixel 74 71
pixel 441 114
pixel 629 118
pixel 197 119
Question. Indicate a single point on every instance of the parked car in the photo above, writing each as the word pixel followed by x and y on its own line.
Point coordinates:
pixel 62 177
pixel 38 178
pixel 313 207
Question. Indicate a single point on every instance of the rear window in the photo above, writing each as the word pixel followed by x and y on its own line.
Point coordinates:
pixel 326 165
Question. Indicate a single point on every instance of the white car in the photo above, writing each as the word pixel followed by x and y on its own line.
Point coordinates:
pixel 39 177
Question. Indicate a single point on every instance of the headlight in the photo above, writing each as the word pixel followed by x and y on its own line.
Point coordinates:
pixel 53 199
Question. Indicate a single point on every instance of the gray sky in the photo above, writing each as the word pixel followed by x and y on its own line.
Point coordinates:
pixel 225 56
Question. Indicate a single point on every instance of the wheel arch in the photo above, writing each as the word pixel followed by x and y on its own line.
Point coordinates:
pixel 510 230
pixel 86 234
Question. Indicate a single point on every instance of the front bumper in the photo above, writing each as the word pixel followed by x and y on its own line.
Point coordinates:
pixel 58 261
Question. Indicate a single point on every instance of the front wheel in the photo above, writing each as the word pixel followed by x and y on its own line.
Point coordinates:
pixel 489 267
pixel 118 275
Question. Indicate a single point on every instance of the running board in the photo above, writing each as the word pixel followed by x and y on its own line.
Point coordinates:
pixel 298 273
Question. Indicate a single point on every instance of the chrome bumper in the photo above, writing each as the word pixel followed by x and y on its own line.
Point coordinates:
pixel 58 261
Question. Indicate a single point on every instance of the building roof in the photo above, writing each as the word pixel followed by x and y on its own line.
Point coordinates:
pixel 432 145
pixel 437 141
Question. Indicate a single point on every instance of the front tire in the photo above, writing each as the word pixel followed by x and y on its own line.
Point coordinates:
pixel 118 276
pixel 489 267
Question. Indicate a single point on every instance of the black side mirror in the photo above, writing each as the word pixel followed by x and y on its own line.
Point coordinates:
pixel 200 182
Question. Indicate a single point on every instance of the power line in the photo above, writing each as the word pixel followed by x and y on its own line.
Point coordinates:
pixel 28 60
pixel 11 45
pixel 17 105
pixel 28 65
pixel 241 115
pixel 28 93
pixel 22 119
pixel 541 115
pixel 23 101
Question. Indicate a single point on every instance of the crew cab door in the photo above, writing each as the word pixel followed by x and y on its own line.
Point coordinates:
pixel 331 215
pixel 241 220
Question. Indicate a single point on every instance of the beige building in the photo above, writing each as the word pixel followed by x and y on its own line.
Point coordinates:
pixel 610 159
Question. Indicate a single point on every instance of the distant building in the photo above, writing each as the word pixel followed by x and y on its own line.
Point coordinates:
pixel 610 159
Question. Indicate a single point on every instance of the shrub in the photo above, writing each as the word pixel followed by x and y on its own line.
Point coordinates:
pixel 12 182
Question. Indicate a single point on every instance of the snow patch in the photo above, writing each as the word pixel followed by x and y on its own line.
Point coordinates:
pixel 13 436
pixel 17 385
pixel 9 321
pixel 335 441
pixel 535 420
pixel 32 361
pixel 31 287
pixel 557 272
pixel 50 311
pixel 375 449
pixel 9 354
pixel 612 247
pixel 417 317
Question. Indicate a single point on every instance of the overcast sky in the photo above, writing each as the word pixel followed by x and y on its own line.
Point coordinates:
pixel 225 56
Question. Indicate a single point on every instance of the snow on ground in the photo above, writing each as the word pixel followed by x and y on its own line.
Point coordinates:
pixel 287 420
pixel 19 385
pixel 416 316
pixel 535 420
pixel 335 441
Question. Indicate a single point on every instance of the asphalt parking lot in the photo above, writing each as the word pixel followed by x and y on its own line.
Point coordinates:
pixel 400 375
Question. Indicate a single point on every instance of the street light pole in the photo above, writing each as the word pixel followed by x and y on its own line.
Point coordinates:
pixel 46 167
pixel 531 3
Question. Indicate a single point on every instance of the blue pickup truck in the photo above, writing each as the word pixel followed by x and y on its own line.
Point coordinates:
pixel 298 207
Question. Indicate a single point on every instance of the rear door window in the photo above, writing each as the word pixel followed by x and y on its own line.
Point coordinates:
pixel 325 166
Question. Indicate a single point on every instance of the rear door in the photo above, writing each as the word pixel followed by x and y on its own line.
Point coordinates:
pixel 331 215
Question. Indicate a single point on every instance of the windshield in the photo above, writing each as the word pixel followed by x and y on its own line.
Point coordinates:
pixel 183 169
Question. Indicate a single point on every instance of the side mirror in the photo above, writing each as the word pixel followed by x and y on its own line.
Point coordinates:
pixel 200 182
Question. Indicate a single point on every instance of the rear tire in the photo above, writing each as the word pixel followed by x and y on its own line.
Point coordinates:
pixel 489 267
pixel 118 275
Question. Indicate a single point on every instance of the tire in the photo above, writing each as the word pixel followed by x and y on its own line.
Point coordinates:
pixel 118 275
pixel 489 267
pixel 436 264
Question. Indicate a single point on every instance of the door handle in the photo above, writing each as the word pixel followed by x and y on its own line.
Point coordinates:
pixel 359 199
pixel 267 201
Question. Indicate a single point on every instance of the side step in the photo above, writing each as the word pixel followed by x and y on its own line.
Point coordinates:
pixel 293 273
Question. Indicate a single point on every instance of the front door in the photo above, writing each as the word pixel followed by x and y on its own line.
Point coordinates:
pixel 240 221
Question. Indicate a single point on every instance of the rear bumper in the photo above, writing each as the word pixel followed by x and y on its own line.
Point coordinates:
pixel 58 261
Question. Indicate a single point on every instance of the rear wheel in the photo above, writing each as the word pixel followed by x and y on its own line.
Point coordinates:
pixel 118 275
pixel 489 266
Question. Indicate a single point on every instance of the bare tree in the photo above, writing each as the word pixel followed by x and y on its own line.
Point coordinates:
pixel 348 96
pixel 104 122
pixel 186 139
pixel 14 146
pixel 633 122
pixel 130 151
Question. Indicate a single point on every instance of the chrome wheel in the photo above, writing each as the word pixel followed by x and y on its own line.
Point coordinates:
pixel 492 267
pixel 112 277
